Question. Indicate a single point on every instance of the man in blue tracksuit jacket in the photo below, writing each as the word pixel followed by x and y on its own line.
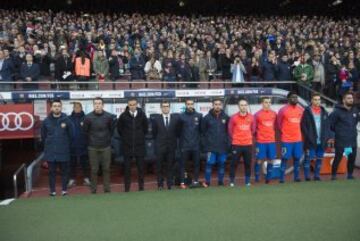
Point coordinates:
pixel 57 134
pixel 216 140
pixel 315 127
pixel 190 124
pixel 79 152
pixel 343 121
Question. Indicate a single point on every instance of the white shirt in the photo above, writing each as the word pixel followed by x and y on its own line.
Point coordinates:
pixel 134 114
pixel 164 118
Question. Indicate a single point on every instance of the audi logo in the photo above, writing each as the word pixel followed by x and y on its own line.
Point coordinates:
pixel 13 121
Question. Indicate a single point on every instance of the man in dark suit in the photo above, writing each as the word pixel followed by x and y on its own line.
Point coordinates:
pixel 165 128
pixel 30 72
pixel 132 127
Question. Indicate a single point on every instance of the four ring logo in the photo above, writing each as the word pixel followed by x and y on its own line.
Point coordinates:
pixel 12 121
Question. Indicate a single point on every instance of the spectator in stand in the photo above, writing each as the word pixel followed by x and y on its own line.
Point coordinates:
pixel 137 64
pixel 101 66
pixel 238 71
pixel 153 69
pixel 254 70
pixel 6 71
pixel 169 66
pixel 332 71
pixel 269 67
pixel 114 65
pixel 318 82
pixel 64 67
pixel 211 66
pixel 82 69
pixel 304 75
pixel 283 71
pixel 30 73
pixel 183 71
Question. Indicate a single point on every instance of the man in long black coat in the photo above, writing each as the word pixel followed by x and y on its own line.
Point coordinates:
pixel 132 127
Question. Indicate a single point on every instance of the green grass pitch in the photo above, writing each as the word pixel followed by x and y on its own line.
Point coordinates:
pixel 291 212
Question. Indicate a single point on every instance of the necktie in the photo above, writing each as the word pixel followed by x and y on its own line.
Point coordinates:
pixel 166 122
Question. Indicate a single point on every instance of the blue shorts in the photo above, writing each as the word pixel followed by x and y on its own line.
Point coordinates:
pixel 291 150
pixel 266 151
pixel 214 158
pixel 316 153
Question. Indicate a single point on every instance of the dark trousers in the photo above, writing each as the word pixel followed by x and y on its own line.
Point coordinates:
pixel 350 162
pixel 127 171
pixel 100 157
pixel 64 171
pixel 246 153
pixel 84 163
pixel 164 167
pixel 186 156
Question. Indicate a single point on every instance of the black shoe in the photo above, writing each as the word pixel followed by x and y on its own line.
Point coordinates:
pixel 308 179
pixel 297 180
pixel 93 191
pixel 220 183
pixel 350 177
pixel 160 188
pixel 317 179
pixel 107 191
pixel 141 189
pixel 267 181
pixel 333 178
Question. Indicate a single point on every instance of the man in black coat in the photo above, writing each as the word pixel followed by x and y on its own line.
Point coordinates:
pixel 315 127
pixel 343 122
pixel 30 72
pixel 64 68
pixel 132 127
pixel 165 128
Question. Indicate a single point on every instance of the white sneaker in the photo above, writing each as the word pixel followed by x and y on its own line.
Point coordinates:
pixel 71 183
pixel 64 193
pixel 248 184
pixel 52 194
pixel 232 184
pixel 87 181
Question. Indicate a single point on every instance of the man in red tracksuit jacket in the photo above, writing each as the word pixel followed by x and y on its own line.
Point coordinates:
pixel 241 130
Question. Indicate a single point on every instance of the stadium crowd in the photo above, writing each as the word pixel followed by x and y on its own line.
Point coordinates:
pixel 319 52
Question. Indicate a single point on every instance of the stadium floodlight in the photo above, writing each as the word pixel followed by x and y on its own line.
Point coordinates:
pixel 181 3
pixel 337 2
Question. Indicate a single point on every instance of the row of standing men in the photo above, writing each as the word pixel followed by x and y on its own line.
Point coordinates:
pixel 308 131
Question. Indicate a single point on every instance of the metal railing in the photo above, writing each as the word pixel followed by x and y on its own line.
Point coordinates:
pixel 33 171
pixel 15 179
